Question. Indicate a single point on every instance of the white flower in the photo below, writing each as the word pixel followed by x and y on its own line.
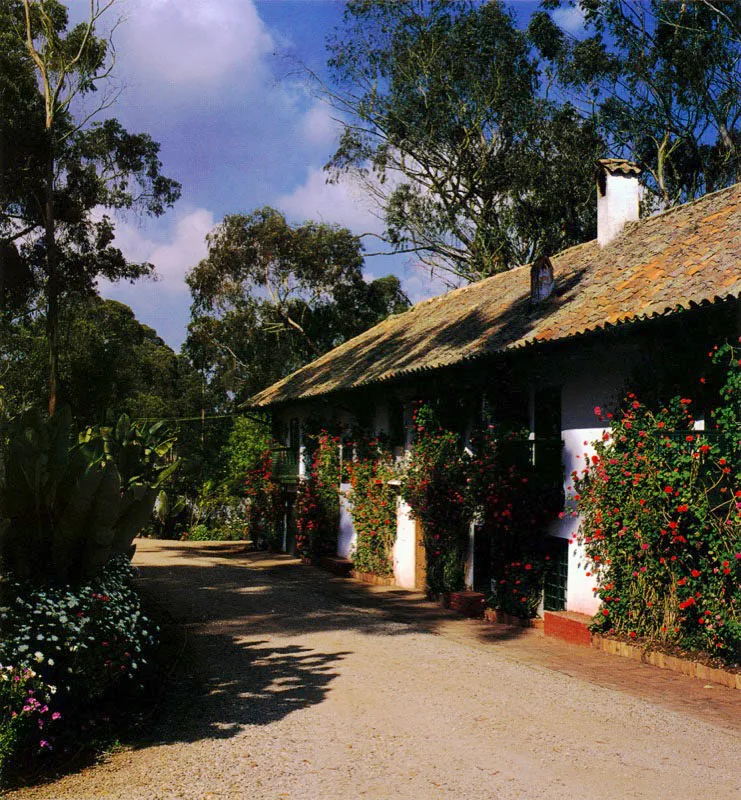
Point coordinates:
pixel 39 656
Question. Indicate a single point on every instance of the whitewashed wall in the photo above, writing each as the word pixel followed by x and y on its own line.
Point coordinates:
pixel 593 379
pixel 346 536
pixel 404 547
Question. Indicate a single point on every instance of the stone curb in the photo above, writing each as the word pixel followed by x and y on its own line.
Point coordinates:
pixel 693 669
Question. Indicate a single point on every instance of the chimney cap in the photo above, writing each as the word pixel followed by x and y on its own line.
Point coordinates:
pixel 618 166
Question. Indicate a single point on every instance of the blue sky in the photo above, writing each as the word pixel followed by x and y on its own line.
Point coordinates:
pixel 212 81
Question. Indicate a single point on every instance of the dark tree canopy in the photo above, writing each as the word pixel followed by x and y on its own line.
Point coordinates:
pixel 660 80
pixel 475 171
pixel 59 165
pixel 271 296
pixel 110 362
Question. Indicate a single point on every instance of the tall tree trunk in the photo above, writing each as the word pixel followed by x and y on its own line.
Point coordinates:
pixel 52 275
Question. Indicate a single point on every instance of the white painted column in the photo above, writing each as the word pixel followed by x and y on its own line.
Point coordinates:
pixel 346 535
pixel 404 547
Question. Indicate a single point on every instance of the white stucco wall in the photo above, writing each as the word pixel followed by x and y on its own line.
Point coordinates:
pixel 346 535
pixel 592 380
pixel 619 204
pixel 404 547
pixel 469 555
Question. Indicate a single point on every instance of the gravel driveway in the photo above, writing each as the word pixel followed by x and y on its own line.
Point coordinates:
pixel 300 685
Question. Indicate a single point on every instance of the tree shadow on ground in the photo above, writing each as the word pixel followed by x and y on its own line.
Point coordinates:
pixel 221 606
pixel 220 686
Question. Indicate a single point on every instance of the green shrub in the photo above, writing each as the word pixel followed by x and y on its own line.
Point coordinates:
pixel 70 502
pixel 217 515
pixel 63 649
pixel 198 533
pixel 661 521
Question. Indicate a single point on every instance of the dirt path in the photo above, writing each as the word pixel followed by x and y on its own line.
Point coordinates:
pixel 303 686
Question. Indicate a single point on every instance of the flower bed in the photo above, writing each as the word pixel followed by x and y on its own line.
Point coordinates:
pixel 63 650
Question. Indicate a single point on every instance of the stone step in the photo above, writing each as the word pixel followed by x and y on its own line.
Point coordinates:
pixel 569 626
pixel 470 604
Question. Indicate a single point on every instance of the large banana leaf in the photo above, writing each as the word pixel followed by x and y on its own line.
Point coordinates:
pixel 70 501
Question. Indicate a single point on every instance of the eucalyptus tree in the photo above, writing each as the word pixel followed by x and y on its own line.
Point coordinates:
pixel 445 124
pixel 72 164
pixel 109 363
pixel 271 296
pixel 660 80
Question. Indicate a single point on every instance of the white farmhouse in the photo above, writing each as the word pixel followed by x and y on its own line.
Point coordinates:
pixel 543 344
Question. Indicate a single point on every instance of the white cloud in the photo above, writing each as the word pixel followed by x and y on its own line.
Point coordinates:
pixel 193 41
pixel 163 303
pixel 172 259
pixel 570 19
pixel 341 203
pixel 318 126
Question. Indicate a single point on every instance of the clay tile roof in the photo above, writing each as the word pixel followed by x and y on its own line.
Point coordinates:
pixel 657 266
pixel 619 166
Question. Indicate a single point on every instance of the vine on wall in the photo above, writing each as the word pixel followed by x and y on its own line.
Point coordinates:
pixel 434 487
pixel 661 520
pixel 373 508
pixel 264 496
pixel 317 500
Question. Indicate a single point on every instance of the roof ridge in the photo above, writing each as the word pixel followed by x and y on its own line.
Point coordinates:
pixel 647 276
pixel 695 201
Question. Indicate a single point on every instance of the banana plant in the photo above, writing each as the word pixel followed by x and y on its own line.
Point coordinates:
pixel 70 502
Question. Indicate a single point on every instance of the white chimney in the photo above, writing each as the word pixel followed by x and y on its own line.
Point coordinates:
pixel 618 197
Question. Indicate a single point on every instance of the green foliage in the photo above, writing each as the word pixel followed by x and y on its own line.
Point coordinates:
pixel 513 503
pixel 217 514
pixel 62 651
pixel 434 486
pixel 244 449
pixel 660 81
pixel 264 496
pixel 448 130
pixel 373 508
pixel 67 168
pixel 68 503
pixel 661 521
pixel 199 533
pixel 270 297
pixel 317 500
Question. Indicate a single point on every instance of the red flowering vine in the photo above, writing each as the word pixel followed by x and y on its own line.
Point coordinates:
pixel 661 522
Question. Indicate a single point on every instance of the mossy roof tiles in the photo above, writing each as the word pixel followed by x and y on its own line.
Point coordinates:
pixel 659 265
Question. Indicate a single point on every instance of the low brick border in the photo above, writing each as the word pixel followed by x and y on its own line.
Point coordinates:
pixel 693 669
pixel 374 580
pixel 568 626
pixel 468 603
pixel 502 618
